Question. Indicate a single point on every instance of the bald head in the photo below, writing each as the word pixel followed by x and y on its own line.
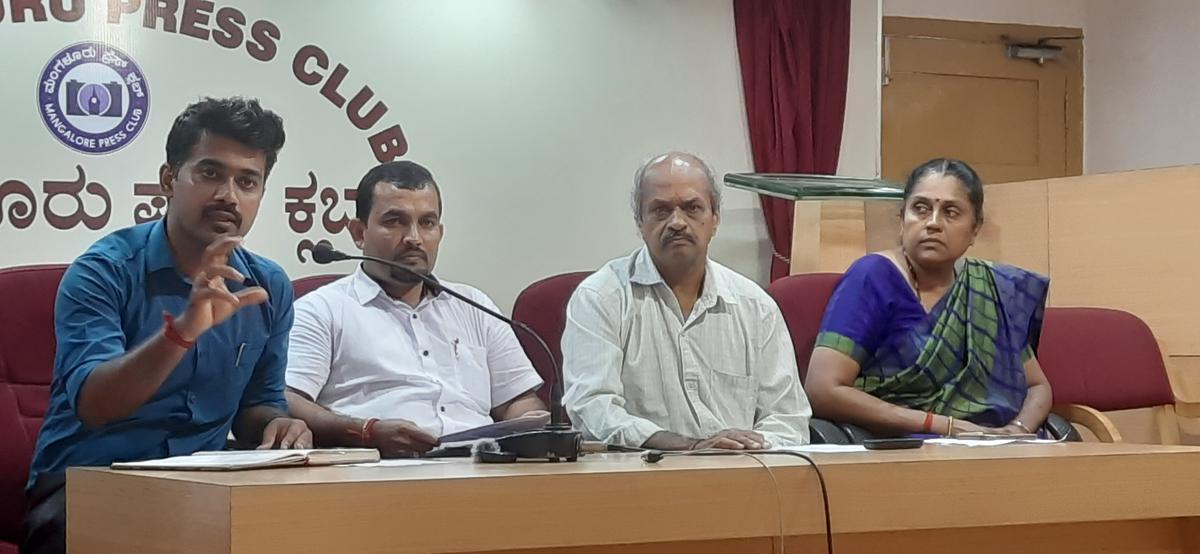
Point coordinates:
pixel 673 166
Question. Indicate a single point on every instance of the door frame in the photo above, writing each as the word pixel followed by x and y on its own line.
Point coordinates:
pixel 975 31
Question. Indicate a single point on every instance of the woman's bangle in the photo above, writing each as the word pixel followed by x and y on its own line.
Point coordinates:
pixel 950 427
pixel 1023 427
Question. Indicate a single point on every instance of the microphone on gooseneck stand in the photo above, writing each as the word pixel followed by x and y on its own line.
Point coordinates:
pixel 557 440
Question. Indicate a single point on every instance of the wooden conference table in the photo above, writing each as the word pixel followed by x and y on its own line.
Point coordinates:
pixel 1083 497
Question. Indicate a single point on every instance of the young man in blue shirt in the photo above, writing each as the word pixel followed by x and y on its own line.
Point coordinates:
pixel 169 333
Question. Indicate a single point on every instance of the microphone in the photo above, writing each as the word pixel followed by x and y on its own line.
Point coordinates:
pixel 324 253
pixel 557 440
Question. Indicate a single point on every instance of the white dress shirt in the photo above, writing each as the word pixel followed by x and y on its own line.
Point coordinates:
pixel 442 365
pixel 635 366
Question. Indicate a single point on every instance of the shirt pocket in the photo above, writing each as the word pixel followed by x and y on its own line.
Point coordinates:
pixel 474 378
pixel 246 356
pixel 243 360
pixel 218 388
pixel 733 399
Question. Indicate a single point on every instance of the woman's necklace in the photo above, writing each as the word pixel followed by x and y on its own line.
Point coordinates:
pixel 913 274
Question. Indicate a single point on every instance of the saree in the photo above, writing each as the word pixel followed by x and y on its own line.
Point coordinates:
pixel 964 358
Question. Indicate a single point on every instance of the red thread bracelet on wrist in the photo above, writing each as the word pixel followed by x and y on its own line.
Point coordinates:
pixel 928 426
pixel 172 334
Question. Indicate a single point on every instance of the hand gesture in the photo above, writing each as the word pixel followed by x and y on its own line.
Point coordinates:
pixel 211 302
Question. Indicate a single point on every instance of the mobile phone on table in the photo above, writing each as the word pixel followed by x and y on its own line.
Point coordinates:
pixel 892 444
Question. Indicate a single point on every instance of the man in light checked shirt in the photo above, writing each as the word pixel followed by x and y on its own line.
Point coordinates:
pixel 668 349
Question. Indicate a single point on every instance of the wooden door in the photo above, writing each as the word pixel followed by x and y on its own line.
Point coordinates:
pixel 952 91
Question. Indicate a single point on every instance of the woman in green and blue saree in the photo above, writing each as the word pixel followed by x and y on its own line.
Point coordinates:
pixel 922 340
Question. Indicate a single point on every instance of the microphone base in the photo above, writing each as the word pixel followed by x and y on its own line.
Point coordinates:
pixel 549 444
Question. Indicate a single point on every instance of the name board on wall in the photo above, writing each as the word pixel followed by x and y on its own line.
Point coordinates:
pixel 531 115
pixel 86 120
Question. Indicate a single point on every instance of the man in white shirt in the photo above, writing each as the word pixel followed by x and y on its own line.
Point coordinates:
pixel 668 349
pixel 378 359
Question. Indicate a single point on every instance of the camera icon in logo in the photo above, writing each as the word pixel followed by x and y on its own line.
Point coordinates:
pixel 100 99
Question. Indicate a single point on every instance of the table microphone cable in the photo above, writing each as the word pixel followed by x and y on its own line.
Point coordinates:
pixel 655 456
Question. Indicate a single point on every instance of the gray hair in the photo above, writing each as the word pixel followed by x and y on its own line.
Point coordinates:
pixel 714 186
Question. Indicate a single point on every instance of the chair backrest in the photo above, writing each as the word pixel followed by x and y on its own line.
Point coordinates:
pixel 305 285
pixel 543 307
pixel 1104 358
pixel 802 299
pixel 26 369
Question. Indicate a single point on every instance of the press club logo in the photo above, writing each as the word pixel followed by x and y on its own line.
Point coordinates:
pixel 93 97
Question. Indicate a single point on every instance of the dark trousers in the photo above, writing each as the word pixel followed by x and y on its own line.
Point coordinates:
pixel 46 517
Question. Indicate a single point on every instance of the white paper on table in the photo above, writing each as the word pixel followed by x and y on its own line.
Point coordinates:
pixel 987 442
pixel 401 462
pixel 823 448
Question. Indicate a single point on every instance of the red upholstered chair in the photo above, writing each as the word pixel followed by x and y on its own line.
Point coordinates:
pixel 26 369
pixel 305 285
pixel 543 307
pixel 802 299
pixel 1100 359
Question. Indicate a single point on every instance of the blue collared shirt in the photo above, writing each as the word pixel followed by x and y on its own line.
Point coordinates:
pixel 110 301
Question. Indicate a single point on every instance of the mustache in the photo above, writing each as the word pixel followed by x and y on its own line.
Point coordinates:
pixel 226 209
pixel 411 252
pixel 678 234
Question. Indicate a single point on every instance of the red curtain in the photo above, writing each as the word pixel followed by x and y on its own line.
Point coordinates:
pixel 794 56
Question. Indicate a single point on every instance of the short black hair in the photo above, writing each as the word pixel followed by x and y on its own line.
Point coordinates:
pixel 955 168
pixel 402 175
pixel 237 118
